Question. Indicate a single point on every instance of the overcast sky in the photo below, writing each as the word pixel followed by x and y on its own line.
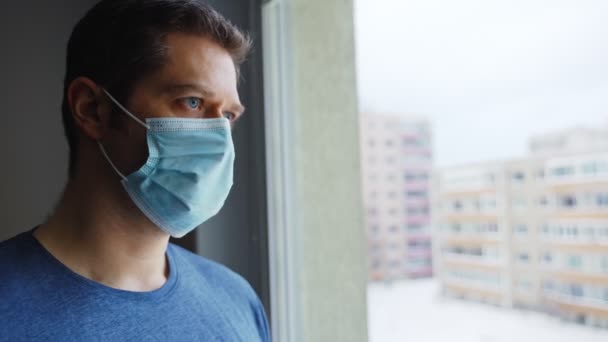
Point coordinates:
pixel 488 74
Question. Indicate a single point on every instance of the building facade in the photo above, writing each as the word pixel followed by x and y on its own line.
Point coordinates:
pixel 396 169
pixel 529 233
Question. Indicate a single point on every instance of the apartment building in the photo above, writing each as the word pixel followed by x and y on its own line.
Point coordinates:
pixel 573 140
pixel 396 167
pixel 529 233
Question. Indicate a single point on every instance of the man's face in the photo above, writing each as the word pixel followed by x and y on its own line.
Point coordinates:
pixel 198 81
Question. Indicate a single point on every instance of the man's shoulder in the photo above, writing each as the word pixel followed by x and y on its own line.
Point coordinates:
pixel 17 266
pixel 214 272
pixel 226 284
pixel 12 250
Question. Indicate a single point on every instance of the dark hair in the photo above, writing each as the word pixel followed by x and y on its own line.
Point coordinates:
pixel 118 42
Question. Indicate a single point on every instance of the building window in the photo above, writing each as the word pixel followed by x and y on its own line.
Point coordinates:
pixel 604 263
pixel 576 290
pixel 493 227
pixel 457 205
pixel 547 258
pixel 521 229
pixel 602 199
pixel 523 257
pixel 518 176
pixel 563 171
pixel 416 193
pixel 545 229
pixel 589 232
pixel 575 262
pixel 568 201
pixel 394 264
pixel 590 168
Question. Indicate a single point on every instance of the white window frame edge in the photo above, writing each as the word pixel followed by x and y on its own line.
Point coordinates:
pixel 279 129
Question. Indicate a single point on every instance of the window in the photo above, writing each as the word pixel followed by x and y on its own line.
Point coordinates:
pixel 518 176
pixel 493 227
pixel 457 205
pixel 545 229
pixel 563 171
pixel 575 262
pixel 604 263
pixel 521 229
pixel 523 257
pixel 568 201
pixel 547 258
pixel 590 168
pixel 576 290
pixel 394 264
pixel 589 232
pixel 416 193
pixel 602 199
pixel 410 177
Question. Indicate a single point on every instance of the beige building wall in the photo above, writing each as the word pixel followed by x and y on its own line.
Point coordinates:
pixel 550 250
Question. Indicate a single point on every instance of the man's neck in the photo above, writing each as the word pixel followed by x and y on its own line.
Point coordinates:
pixel 96 234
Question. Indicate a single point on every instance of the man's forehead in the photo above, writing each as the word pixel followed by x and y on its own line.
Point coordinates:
pixel 194 59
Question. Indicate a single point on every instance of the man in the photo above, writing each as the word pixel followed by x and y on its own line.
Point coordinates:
pixel 150 97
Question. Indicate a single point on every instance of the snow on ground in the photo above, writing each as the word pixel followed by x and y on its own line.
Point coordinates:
pixel 415 311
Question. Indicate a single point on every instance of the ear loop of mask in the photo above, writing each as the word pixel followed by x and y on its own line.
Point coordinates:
pixel 103 150
pixel 125 110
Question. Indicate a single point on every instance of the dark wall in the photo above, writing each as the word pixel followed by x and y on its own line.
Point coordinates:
pixel 33 36
pixel 34 153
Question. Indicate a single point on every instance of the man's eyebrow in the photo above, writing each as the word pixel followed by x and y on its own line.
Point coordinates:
pixel 178 88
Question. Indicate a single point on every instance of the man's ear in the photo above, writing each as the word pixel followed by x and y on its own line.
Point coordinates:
pixel 90 112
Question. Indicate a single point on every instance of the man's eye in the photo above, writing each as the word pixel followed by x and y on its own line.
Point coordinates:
pixel 230 116
pixel 193 102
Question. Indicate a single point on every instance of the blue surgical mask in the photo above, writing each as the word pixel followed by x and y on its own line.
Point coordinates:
pixel 188 174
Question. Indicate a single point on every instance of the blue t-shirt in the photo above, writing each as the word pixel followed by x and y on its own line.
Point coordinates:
pixel 43 300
